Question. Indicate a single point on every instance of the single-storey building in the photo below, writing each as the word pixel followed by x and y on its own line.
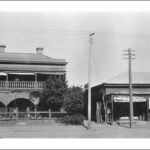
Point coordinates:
pixel 110 100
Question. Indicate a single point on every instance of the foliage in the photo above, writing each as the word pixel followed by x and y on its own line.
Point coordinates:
pixel 53 93
pixel 35 94
pixel 74 119
pixel 74 105
pixel 74 100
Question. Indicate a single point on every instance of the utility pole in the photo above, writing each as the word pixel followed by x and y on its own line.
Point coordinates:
pixel 89 80
pixel 130 56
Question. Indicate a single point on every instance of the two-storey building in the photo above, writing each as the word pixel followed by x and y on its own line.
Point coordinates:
pixel 22 73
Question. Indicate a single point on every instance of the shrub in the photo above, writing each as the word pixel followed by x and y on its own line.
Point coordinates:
pixel 53 93
pixel 74 105
pixel 75 119
pixel 74 100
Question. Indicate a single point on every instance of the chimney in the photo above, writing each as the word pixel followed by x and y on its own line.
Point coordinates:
pixel 39 50
pixel 2 48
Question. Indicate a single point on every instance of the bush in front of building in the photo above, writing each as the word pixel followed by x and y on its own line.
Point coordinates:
pixel 74 105
pixel 53 93
pixel 74 119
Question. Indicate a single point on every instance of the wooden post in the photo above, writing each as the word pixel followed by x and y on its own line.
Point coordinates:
pixel 106 113
pixel 49 113
pixel 100 111
pixel 112 109
pixel 97 112
pixel 35 113
pixel 36 84
pixel 147 102
pixel 27 116
pixel 16 115
pixel 104 105
pixel 6 80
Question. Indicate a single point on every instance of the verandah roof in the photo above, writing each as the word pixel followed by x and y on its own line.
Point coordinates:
pixel 31 68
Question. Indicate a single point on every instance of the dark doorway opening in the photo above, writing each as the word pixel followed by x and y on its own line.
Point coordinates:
pixel 122 110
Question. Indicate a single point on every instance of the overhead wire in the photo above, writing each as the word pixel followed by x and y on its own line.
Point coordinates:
pixel 71 35
pixel 74 32
pixel 123 35
pixel 45 31
pixel 57 34
pixel 83 58
pixel 95 64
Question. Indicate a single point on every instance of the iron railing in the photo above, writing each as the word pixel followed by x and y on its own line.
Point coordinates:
pixel 21 84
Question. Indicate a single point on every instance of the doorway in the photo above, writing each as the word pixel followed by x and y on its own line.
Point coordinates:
pixel 121 110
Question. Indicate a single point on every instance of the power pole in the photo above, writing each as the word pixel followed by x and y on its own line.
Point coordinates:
pixel 89 80
pixel 130 56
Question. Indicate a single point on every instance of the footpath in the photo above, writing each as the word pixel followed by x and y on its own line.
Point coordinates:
pixel 66 131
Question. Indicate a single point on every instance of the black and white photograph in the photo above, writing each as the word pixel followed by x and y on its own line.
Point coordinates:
pixel 74 72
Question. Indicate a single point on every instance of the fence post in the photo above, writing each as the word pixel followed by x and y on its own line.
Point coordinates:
pixel 49 116
pixel 16 115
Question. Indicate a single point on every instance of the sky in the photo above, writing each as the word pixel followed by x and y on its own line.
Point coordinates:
pixel 65 35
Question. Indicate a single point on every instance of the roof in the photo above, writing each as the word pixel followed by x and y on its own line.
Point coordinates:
pixel 29 58
pixel 137 78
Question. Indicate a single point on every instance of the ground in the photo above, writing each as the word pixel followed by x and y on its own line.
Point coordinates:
pixel 63 131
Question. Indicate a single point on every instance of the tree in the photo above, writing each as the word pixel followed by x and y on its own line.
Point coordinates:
pixel 74 100
pixel 54 92
pixel 74 105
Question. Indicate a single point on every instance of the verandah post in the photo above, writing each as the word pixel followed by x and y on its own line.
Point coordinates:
pixel 104 105
pixel 35 113
pixel 106 113
pixel 100 112
pixel 97 112
pixel 6 83
pixel 147 102
pixel 35 82
pixel 27 116
pixel 112 109
pixel 16 115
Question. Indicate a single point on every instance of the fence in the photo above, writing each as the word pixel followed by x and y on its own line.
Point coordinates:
pixel 31 118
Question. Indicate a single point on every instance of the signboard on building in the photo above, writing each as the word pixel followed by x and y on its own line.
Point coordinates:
pixel 126 99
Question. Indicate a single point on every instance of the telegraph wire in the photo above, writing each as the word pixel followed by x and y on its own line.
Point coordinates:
pixel 75 32
pixel 38 30
pixel 82 60
pixel 95 65
pixel 45 39
pixel 123 35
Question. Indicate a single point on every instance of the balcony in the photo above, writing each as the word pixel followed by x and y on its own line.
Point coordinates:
pixel 21 85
